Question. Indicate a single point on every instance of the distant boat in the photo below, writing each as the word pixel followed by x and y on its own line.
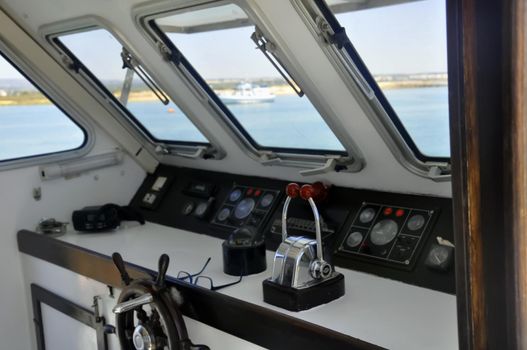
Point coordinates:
pixel 248 93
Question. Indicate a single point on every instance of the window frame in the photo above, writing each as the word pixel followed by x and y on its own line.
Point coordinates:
pixel 350 159
pixel 41 84
pixel 188 149
pixel 360 81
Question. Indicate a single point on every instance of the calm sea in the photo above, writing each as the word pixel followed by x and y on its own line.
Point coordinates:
pixel 287 122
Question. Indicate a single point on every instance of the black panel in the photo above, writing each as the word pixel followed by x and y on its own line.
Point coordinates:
pixel 340 213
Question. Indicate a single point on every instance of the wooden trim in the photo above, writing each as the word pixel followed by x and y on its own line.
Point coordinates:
pixel 489 148
pixel 256 324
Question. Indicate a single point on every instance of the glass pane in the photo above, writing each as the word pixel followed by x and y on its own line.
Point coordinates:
pixel 407 56
pixel 30 124
pixel 164 122
pixel 260 99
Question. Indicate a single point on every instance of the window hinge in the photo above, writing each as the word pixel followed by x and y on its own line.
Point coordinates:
pixel 439 170
pixel 337 37
pixel 269 158
pixel 198 152
pixel 169 55
pixel 71 63
pixel 333 163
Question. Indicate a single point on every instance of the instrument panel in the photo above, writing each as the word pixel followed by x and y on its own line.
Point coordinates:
pixel 388 234
pixel 397 236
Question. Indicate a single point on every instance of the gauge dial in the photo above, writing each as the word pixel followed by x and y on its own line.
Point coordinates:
pixel 201 209
pixel 244 208
pixel 367 215
pixel 235 195
pixel 354 239
pixel 416 222
pixel 187 208
pixel 384 232
pixel 223 214
pixel 266 200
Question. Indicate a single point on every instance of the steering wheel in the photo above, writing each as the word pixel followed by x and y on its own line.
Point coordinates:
pixel 147 316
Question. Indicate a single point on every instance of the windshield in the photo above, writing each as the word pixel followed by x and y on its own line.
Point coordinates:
pixel 404 47
pixel 260 99
pixel 164 122
pixel 30 124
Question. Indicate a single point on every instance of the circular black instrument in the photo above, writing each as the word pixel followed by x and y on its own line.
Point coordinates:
pixel 416 222
pixel 235 195
pixel 266 200
pixel 244 208
pixel 223 214
pixel 201 209
pixel 367 215
pixel 384 232
pixel 188 207
pixel 354 239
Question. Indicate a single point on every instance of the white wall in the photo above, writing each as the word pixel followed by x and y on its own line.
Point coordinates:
pixel 18 210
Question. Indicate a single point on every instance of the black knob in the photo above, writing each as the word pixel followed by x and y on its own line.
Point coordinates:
pixel 108 329
pixel 119 263
pixel 164 260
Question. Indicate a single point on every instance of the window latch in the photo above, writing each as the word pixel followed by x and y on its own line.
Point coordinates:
pixel 129 62
pixel 268 49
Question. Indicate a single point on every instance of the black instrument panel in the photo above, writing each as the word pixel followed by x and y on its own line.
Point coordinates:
pixel 387 234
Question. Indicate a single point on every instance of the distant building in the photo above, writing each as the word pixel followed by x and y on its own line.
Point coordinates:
pixel 3 93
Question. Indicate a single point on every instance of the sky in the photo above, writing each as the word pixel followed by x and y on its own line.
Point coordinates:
pixel 401 39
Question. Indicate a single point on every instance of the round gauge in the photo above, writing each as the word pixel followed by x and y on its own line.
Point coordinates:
pixel 384 232
pixel 223 214
pixel 266 200
pixel 201 209
pixel 235 195
pixel 416 222
pixel 367 215
pixel 439 255
pixel 244 208
pixel 354 239
pixel 187 208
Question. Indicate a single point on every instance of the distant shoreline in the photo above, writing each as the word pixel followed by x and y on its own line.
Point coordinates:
pixel 35 98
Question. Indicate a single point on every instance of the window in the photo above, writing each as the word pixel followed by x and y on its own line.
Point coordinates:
pixel 404 48
pixel 30 124
pixel 141 98
pixel 258 98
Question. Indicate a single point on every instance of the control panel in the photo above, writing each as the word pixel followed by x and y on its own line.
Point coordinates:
pixel 398 236
pixel 245 206
pixel 387 234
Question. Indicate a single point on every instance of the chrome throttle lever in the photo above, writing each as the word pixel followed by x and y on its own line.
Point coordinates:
pixel 319 268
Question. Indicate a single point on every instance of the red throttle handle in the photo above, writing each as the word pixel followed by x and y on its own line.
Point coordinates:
pixel 318 191
pixel 293 190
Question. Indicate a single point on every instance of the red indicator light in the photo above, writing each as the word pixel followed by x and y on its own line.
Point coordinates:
pixel 257 193
pixel 250 191
pixel 388 211
pixel 399 213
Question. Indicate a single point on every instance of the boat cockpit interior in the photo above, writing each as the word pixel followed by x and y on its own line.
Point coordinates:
pixel 263 174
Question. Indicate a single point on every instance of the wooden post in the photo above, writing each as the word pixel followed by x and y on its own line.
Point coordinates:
pixel 489 159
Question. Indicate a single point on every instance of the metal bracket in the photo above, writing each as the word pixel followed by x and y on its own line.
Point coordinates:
pixel 326 168
pixel 269 49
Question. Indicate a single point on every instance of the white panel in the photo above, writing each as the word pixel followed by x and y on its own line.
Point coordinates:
pixel 62 332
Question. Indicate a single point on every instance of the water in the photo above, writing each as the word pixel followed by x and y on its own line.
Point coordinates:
pixel 287 122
